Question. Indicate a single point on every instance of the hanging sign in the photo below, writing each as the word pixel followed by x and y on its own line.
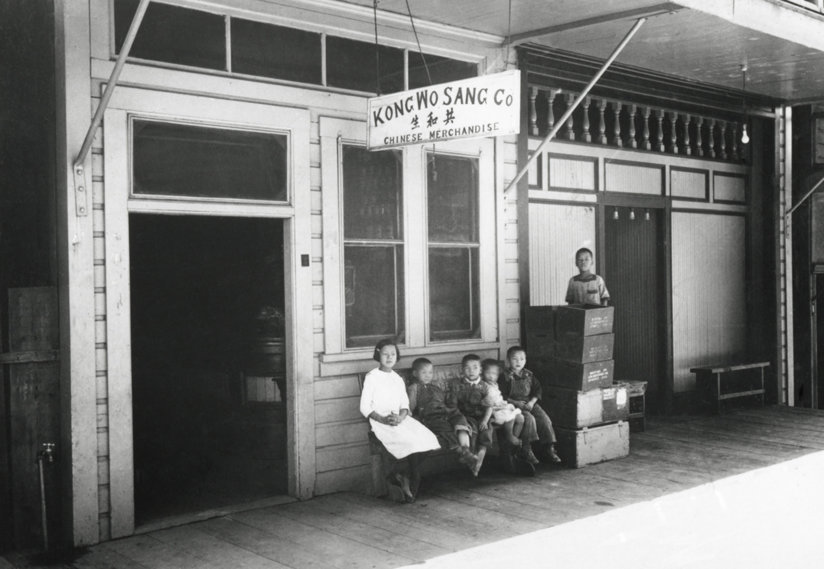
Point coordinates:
pixel 470 108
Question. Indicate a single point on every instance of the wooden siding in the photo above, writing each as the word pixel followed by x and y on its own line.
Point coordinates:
pixel 708 292
pixel 634 178
pixel 556 232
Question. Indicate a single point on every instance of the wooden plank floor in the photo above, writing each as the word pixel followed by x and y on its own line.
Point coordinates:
pixel 455 512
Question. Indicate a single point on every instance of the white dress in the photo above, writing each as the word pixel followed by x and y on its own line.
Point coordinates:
pixel 385 392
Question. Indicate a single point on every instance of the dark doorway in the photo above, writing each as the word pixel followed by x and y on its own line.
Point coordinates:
pixel 208 373
pixel 634 269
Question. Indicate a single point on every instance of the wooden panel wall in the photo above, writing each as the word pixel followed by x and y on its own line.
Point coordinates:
pixel 572 173
pixel 689 184
pixel 708 292
pixel 556 231
pixel 729 188
pixel 634 178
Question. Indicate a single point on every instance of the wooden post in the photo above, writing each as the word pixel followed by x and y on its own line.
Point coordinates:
pixel 632 141
pixel 533 113
pixel 602 126
pixel 687 122
pixel 570 125
pixel 585 106
pixel 616 108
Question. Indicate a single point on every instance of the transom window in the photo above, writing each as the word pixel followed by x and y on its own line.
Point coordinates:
pixel 194 38
pixel 171 159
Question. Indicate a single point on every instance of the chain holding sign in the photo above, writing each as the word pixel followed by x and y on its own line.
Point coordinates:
pixel 470 108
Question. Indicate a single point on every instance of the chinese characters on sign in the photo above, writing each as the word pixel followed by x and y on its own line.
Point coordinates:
pixel 469 108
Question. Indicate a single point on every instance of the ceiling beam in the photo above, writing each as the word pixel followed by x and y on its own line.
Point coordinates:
pixel 645 12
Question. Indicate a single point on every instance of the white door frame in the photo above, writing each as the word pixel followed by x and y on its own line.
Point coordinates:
pixel 295 123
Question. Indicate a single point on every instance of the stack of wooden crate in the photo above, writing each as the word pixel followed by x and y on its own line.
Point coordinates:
pixel 570 350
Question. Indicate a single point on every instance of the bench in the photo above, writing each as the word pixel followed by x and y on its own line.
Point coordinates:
pixel 708 382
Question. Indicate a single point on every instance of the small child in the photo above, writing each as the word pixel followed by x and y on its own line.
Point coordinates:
pixel 498 410
pixel 466 394
pixel 586 287
pixel 521 388
pixel 427 401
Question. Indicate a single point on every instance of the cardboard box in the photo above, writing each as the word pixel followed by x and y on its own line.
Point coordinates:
pixel 571 375
pixel 584 349
pixel 580 447
pixel 578 409
pixel 584 320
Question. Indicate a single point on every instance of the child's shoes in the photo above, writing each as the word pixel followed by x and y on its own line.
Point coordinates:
pixel 529 456
pixel 551 456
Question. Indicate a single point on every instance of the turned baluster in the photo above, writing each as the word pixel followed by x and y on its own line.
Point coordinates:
pixel 602 125
pixel 616 109
pixel 659 115
pixel 699 143
pixel 673 133
pixel 734 141
pixel 723 146
pixel 711 138
pixel 632 142
pixel 550 115
pixel 646 145
pixel 570 132
pixel 587 135
pixel 533 112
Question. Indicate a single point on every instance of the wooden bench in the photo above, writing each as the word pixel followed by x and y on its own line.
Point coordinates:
pixel 708 382
pixel 437 461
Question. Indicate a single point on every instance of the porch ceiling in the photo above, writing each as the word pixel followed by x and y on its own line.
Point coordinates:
pixel 699 40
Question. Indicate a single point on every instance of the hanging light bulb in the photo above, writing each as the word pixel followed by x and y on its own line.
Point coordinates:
pixel 615 213
pixel 646 215
pixel 632 215
pixel 745 138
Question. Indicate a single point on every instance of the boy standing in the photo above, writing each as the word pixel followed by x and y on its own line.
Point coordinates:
pixel 521 388
pixel 586 287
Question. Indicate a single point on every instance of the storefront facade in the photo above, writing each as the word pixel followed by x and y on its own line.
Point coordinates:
pixel 230 251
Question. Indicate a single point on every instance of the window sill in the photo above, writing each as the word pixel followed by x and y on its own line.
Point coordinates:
pixel 360 361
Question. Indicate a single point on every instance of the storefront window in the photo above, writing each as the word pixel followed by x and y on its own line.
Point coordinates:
pixel 452 190
pixel 373 245
pixel 194 161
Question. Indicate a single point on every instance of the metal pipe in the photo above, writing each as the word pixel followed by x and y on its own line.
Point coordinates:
pixel 110 84
pixel 802 200
pixel 616 52
pixel 46 454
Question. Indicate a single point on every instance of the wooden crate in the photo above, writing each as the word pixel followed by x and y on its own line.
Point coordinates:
pixel 580 447
pixel 539 325
pixel 578 409
pixel 584 320
pixel 584 349
pixel 571 375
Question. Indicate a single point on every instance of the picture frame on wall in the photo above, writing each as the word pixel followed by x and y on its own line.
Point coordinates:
pixel 818 139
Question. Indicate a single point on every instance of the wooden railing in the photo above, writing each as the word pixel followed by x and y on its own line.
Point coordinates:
pixel 599 120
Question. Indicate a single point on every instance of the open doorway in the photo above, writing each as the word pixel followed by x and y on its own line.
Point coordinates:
pixel 208 369
pixel 636 281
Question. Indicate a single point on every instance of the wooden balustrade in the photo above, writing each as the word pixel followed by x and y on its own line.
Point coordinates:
pixel 606 121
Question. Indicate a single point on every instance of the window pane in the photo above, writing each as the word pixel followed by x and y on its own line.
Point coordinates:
pixel 371 193
pixel 185 160
pixel 453 293
pixel 452 199
pixel 173 35
pixel 373 293
pixel 350 64
pixel 275 51
pixel 442 70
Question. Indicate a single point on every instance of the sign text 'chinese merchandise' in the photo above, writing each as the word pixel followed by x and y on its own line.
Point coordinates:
pixel 470 108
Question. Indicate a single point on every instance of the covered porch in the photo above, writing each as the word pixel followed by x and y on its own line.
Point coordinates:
pixel 694 491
